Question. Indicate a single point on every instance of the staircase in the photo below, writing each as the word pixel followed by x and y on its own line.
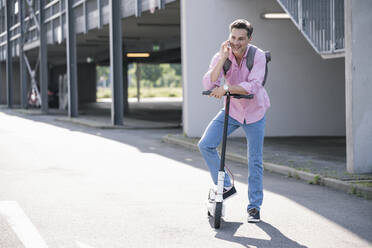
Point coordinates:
pixel 321 22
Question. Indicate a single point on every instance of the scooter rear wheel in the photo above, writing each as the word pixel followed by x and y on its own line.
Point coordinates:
pixel 217 215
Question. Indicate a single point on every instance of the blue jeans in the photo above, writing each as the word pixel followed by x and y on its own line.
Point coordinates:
pixel 254 133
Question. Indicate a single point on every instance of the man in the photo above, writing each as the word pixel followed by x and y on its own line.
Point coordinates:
pixel 246 113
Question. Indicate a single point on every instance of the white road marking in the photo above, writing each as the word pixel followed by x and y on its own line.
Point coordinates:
pixel 81 245
pixel 21 225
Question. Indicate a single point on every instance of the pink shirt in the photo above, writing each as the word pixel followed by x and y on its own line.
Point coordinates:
pixel 248 110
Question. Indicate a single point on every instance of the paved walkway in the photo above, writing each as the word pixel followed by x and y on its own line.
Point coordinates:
pixel 159 114
pixel 318 160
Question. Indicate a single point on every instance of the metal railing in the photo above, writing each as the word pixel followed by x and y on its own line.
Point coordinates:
pixel 320 21
pixel 54 19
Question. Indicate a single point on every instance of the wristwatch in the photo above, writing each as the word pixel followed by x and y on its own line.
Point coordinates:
pixel 226 87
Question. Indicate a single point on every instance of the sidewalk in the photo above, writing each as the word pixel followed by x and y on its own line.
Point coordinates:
pixel 156 114
pixel 317 160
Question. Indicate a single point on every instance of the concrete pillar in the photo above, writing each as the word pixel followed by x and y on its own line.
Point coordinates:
pixel 138 79
pixel 22 64
pixel 99 8
pixel 161 4
pixel 138 8
pixel 116 63
pixel 358 39
pixel 71 61
pixel 125 86
pixel 9 57
pixel 2 83
pixel 15 83
pixel 43 54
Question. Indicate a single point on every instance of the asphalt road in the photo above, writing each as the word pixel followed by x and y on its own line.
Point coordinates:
pixel 63 185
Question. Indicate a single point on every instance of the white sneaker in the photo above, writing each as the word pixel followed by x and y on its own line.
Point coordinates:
pixel 212 195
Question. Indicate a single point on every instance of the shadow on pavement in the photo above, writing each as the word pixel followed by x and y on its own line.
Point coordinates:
pixel 277 239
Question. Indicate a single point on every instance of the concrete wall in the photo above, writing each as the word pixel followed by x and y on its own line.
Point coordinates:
pixel 86 80
pixel 358 41
pixel 307 93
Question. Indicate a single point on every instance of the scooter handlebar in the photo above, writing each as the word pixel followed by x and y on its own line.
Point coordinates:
pixel 238 96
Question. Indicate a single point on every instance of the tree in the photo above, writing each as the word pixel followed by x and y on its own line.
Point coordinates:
pixel 103 72
pixel 151 72
pixel 156 75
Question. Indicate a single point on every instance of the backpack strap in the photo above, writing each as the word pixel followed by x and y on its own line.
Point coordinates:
pixel 250 57
pixel 226 66
pixel 250 61
pixel 268 59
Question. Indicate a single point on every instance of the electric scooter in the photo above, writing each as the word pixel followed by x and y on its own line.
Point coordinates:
pixel 215 205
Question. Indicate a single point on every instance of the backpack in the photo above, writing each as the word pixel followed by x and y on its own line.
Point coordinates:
pixel 250 61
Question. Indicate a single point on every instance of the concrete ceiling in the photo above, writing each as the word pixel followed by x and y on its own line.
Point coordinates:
pixel 140 34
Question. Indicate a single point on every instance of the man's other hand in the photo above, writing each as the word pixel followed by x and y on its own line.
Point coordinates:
pixel 218 92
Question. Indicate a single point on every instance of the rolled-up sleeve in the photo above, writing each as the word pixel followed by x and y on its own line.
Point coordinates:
pixel 207 83
pixel 256 75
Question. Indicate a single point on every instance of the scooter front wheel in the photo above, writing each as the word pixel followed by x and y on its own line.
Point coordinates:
pixel 217 215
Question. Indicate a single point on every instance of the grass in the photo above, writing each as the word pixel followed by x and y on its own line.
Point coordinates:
pixel 316 180
pixel 303 169
pixel 367 184
pixel 356 192
pixel 103 93
pixel 294 175
pixel 144 92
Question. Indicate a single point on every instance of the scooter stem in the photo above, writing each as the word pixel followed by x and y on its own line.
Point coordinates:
pixel 224 137
pixel 221 172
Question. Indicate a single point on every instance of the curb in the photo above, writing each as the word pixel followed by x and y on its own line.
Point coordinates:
pixel 128 123
pixel 311 178
pixel 90 123
pixel 98 124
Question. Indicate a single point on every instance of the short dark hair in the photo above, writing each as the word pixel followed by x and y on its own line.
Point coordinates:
pixel 242 24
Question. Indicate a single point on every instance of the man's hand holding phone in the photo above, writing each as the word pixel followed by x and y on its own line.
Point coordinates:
pixel 225 50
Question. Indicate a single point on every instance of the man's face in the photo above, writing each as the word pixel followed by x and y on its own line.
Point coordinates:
pixel 238 41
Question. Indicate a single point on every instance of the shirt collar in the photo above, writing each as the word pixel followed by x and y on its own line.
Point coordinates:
pixel 232 57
